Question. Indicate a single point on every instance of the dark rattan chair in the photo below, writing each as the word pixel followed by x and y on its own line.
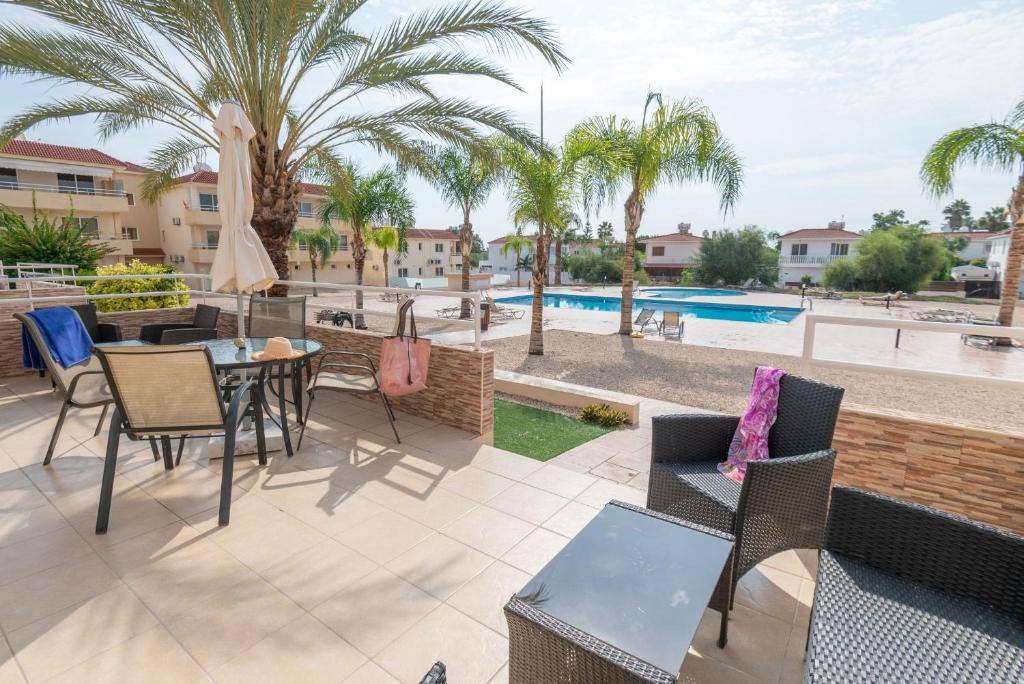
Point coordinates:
pixel 98 332
pixel 205 319
pixel 783 501
pixel 906 593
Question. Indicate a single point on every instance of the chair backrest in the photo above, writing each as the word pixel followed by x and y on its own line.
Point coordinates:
pixel 62 376
pixel 644 316
pixel 277 317
pixel 807 417
pixel 670 319
pixel 185 335
pixel 206 316
pixel 164 388
pixel 91 321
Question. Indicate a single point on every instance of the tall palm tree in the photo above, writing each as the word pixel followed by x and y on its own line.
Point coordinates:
pixel 320 244
pixel 366 201
pixel 385 239
pixel 542 188
pixel 958 214
pixel 677 142
pixel 997 146
pixel 299 69
pixel 993 220
pixel 465 181
pixel 516 244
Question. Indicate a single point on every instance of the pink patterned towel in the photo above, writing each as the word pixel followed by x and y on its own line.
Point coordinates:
pixel 750 443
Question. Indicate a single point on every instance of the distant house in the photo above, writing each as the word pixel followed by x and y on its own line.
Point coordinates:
pixel 999 250
pixel 669 255
pixel 497 262
pixel 433 253
pixel 978 245
pixel 808 251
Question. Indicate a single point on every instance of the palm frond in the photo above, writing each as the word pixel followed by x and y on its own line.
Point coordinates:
pixel 994 146
pixel 170 160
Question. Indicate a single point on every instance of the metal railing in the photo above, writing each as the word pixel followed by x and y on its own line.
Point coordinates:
pixel 204 245
pixel 813 320
pixel 62 189
pixel 811 260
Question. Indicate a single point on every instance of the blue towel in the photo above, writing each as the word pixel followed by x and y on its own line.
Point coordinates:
pixel 66 338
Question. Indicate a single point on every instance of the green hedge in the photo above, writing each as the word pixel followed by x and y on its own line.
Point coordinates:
pixel 136 267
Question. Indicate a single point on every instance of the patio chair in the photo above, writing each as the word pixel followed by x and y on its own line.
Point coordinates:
pixel 783 501
pixel 906 593
pixel 281 317
pixel 354 373
pixel 98 332
pixel 644 319
pixel 672 324
pixel 205 318
pixel 187 335
pixel 167 392
pixel 503 313
pixel 437 675
pixel 82 386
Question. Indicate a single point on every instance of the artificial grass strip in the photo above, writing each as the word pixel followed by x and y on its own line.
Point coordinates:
pixel 537 433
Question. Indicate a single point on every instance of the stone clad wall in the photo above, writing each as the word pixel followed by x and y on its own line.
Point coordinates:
pixel 966 470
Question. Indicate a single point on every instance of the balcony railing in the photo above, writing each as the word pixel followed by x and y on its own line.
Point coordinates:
pixel 63 189
pixel 810 260
pixel 209 207
pixel 204 245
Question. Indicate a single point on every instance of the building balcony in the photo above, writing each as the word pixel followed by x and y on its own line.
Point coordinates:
pixel 58 198
pixel 201 252
pixel 121 247
pixel 811 260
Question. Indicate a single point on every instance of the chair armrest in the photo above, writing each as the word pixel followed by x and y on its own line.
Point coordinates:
pixel 191 335
pixel 939 549
pixel 231 420
pixel 683 438
pixel 74 381
pixel 151 332
pixel 325 355
pixel 109 332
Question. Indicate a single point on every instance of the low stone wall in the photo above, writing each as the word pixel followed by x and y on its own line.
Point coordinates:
pixel 967 470
pixel 7 307
pixel 460 382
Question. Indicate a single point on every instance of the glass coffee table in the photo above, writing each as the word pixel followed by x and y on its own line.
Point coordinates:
pixel 621 602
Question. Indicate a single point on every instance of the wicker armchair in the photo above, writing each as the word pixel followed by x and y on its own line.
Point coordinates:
pixel 783 501
pixel 204 319
pixel 906 593
pixel 98 332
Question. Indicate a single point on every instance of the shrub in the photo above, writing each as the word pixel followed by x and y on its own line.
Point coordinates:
pixel 603 415
pixel 685 278
pixel 806 280
pixel 840 275
pixel 47 240
pixel 900 258
pixel 136 267
pixel 734 258
pixel 641 278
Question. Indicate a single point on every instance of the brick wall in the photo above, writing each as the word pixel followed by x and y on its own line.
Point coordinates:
pixel 961 469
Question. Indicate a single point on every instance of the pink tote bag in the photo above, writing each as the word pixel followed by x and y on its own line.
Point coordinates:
pixel 404 358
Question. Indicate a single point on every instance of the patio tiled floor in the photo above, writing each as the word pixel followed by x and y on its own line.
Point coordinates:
pixel 358 560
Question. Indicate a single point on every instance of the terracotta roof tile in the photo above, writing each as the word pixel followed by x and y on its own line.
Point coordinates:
pixel 82 155
pixel 210 178
pixel 431 234
pixel 673 237
pixel 820 234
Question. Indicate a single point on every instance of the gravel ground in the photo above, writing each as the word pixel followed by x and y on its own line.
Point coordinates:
pixel 719 379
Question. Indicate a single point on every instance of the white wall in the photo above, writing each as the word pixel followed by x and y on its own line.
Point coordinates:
pixel 675 252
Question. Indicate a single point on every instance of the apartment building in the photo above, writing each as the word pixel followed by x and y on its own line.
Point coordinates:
pixel 808 251
pixel 102 192
pixel 499 262
pixel 978 245
pixel 433 253
pixel 667 256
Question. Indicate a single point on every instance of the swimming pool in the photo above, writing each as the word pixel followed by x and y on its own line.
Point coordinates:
pixel 777 315
pixel 687 292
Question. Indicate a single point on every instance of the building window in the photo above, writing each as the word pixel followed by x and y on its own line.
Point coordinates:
pixel 306 209
pixel 80 185
pixel 131 198
pixel 212 237
pixel 9 179
pixel 129 233
pixel 420 270
pixel 839 249
pixel 343 243
pixel 89 227
pixel 403 273
pixel 419 246
pixel 208 201
pixel 658 251
pixel 439 247
pixel 439 271
pixel 798 249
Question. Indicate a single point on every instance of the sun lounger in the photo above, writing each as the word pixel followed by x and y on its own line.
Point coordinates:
pixel 942 315
pixel 672 324
pixel 886 300
pixel 499 313
pixel 644 319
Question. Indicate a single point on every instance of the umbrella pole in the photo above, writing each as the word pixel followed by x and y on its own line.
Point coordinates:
pixel 240 315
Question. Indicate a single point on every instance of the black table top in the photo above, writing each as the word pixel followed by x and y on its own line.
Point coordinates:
pixel 634 581
pixel 226 355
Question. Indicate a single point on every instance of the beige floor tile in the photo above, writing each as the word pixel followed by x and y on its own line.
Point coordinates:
pixel 559 481
pixel 505 463
pixel 615 473
pixel 789 561
pixel 371 673
pixel 174 547
pixel 809 560
pixel 476 484
pixel 188 489
pixel 794 664
pixel 603 491
pixel 485 595
pixel 43 593
pixel 770 591
pixel 471 652
pixel 10 672
pixel 301 651
pixel 312 576
pixel 528 503
pixel 384 536
pixel 439 565
pixel 18 525
pixel 335 511
pixel 232 620
pixel 132 512
pixel 501 677
pixel 805 600
pixel 373 611
pixel 436 508
pixel 72 636
pixel 700 669
pixel 153 656
pixel 571 519
pixel 18 492
pixel 27 557
pixel 757 642
pixel 488 530
pixel 534 552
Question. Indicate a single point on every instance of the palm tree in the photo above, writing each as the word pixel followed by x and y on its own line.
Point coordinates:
pixel 605 231
pixel 679 142
pixel 958 214
pixel 465 182
pixel 998 146
pixel 516 244
pixel 365 201
pixel 993 220
pixel 542 188
pixel 298 70
pixel 385 238
pixel 320 244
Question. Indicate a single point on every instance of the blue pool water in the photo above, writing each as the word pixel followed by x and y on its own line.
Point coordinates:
pixel 778 315
pixel 687 292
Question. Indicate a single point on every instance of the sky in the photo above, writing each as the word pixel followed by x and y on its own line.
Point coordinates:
pixel 830 103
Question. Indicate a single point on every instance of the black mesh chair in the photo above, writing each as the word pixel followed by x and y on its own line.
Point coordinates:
pixel 98 332
pixel 783 501
pixel 437 675
pixel 281 317
pixel 205 319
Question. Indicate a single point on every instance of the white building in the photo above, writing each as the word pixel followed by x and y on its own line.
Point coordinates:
pixel 808 251
pixel 499 262
pixel 999 250
pixel 433 253
pixel 978 244
pixel 669 255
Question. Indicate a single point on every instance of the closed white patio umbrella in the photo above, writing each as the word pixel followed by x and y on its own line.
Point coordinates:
pixel 241 263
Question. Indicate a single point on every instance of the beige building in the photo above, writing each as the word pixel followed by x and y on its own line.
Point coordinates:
pixel 103 193
pixel 433 253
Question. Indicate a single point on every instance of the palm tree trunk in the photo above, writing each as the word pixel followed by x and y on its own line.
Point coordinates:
pixel 518 263
pixel 466 243
pixel 558 262
pixel 387 276
pixel 1009 292
pixel 540 269
pixel 312 269
pixel 359 258
pixel 634 212
pixel 275 209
